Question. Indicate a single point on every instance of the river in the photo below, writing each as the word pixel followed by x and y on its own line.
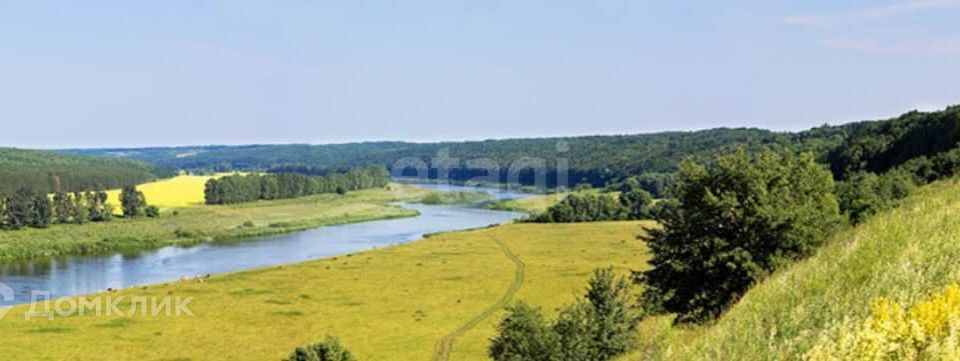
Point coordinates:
pixel 66 276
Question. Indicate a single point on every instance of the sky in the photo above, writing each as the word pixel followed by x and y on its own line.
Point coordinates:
pixel 136 73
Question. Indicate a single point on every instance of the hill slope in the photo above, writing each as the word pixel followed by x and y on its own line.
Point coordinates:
pixel 903 254
pixel 870 145
pixel 48 171
pixel 593 159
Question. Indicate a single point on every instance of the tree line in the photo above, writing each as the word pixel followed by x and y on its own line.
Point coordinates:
pixel 246 188
pixel 29 208
pixel 634 202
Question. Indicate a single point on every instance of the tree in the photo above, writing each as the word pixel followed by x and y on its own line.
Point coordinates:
pixel 576 332
pixel 613 321
pixel 740 217
pixel 328 350
pixel 42 212
pixel 636 202
pixel 62 207
pixel 523 335
pixel 4 211
pixel 79 211
pixel 20 208
pixel 98 210
pixel 132 201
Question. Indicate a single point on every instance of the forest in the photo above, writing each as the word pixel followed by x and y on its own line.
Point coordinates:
pixel 251 187
pixel 49 171
pixel 596 160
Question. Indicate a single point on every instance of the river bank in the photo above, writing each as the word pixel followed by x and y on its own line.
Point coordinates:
pixel 195 224
pixel 393 303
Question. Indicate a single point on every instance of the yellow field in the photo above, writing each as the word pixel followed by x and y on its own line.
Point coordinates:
pixel 399 303
pixel 179 191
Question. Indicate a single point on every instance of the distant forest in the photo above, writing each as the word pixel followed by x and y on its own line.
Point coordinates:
pixel 251 187
pixel 49 171
pixel 873 146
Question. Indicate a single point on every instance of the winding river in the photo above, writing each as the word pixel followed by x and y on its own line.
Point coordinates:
pixel 66 276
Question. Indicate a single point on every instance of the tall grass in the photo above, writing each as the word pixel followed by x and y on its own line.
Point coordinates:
pixel 901 255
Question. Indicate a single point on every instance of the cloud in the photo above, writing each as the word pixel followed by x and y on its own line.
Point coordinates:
pixel 945 46
pixel 860 29
pixel 869 13
pixel 908 7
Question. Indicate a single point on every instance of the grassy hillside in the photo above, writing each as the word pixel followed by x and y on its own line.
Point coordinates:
pixel 904 255
pixel 47 171
pixel 201 223
pixel 408 302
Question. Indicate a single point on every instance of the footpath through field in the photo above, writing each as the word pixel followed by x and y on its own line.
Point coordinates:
pixel 445 345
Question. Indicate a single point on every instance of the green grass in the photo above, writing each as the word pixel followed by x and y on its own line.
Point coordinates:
pixel 533 204
pixel 396 303
pixel 202 223
pixel 904 254
pixel 459 197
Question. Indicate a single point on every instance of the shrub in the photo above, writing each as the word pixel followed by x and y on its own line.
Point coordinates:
pixel 930 330
pixel 152 211
pixel 739 218
pixel 328 350
pixel 524 335
pixel 610 313
pixel 598 328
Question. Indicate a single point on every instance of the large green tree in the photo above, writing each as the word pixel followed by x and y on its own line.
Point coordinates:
pixel 132 201
pixel 740 217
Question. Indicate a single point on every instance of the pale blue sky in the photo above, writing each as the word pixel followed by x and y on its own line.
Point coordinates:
pixel 125 73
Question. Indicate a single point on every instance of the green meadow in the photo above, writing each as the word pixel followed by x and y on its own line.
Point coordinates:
pixel 437 298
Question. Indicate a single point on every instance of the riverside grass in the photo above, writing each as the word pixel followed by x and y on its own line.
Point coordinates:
pixel 901 256
pixel 533 204
pixel 394 303
pixel 202 223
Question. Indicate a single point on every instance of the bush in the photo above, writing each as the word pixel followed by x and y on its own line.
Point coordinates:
pixel 610 313
pixel 930 330
pixel 598 328
pixel 152 211
pixel 328 350
pixel 739 219
pixel 524 335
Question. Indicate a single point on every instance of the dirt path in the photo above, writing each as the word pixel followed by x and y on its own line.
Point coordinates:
pixel 445 345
